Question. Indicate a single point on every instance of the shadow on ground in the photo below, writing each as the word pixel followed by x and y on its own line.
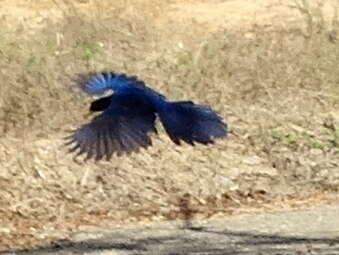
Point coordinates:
pixel 190 240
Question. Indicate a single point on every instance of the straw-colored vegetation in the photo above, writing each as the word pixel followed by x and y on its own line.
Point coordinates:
pixel 276 85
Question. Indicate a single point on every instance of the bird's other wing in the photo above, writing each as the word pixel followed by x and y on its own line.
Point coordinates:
pixel 190 122
pixel 98 83
pixel 123 127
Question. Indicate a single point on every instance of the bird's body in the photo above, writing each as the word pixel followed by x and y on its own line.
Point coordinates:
pixel 128 117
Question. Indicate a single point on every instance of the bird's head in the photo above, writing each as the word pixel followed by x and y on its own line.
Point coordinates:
pixel 99 105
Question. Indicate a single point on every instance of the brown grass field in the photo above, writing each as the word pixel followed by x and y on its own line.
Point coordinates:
pixel 271 69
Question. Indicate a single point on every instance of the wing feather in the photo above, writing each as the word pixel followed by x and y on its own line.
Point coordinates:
pixel 123 127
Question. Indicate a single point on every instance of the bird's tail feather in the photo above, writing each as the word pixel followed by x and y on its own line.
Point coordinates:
pixel 190 122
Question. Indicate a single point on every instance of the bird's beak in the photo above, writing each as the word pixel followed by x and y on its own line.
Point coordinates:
pixel 89 114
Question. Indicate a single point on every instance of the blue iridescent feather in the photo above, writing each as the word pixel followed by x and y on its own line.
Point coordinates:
pixel 129 114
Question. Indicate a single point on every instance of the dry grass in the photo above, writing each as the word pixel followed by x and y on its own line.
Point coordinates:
pixel 277 87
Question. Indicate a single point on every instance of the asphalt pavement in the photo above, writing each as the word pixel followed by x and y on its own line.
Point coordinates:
pixel 313 230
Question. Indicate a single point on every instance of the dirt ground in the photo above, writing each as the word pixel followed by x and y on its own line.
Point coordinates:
pixel 269 68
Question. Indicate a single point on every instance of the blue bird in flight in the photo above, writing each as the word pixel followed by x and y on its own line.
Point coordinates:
pixel 128 118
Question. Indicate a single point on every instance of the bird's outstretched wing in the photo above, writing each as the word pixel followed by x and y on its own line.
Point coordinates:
pixel 190 122
pixel 123 127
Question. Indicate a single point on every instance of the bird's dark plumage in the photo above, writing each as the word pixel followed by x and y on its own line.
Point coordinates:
pixel 101 104
pixel 128 117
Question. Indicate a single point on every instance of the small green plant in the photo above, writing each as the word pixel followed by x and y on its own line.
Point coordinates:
pixel 313 142
pixel 89 50
pixel 279 133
